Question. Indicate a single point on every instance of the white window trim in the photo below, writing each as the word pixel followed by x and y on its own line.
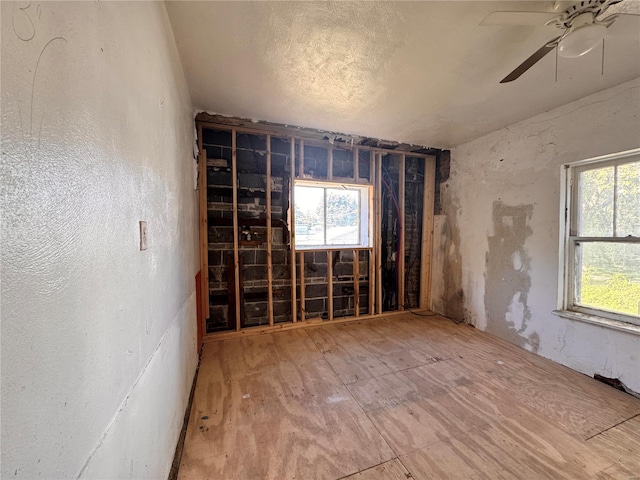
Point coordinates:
pixel 366 213
pixel 566 305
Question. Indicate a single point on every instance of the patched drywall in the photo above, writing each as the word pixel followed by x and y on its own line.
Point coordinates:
pixel 98 337
pixel 503 200
pixel 447 294
pixel 507 274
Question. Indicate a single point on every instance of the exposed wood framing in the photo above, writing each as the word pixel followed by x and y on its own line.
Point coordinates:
pixel 236 253
pixel 427 231
pixel 204 232
pixel 308 134
pixel 356 283
pixel 314 322
pixel 374 250
pixel 377 239
pixel 330 284
pixel 302 287
pixel 269 239
pixel 401 236
pixel 374 232
pixel 356 164
pixel 292 230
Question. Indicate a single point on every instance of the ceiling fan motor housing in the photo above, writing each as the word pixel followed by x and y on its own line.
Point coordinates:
pixel 595 7
pixel 583 36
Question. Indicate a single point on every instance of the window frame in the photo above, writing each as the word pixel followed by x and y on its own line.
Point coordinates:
pixel 365 213
pixel 569 239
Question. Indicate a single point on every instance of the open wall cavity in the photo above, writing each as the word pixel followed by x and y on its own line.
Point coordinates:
pixel 269 263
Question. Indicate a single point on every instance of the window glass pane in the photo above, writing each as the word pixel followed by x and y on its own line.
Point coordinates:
pixel 608 276
pixel 343 217
pixel 628 207
pixel 595 216
pixel 309 215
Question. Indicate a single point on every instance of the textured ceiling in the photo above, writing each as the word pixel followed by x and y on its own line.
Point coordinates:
pixel 417 72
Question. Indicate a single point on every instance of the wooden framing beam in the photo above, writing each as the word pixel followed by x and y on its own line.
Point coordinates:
pixel 401 236
pixel 356 164
pixel 302 288
pixel 356 283
pixel 309 135
pixel 269 239
pixel 426 254
pixel 292 229
pixel 204 232
pixel 320 140
pixel 378 237
pixel 315 322
pixel 330 283
pixel 236 243
pixel 374 233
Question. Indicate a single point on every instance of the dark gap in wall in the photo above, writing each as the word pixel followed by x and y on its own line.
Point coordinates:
pixel 443 171
pixel 413 214
pixel 390 230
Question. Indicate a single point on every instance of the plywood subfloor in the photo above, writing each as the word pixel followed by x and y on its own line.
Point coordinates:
pixel 397 398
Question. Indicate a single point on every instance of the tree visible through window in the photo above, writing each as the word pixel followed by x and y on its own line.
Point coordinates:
pixel 603 245
pixel 331 215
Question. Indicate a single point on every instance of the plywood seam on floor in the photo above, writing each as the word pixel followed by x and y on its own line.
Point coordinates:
pixel 613 426
pixel 382 375
pixel 359 406
pixel 459 415
pixel 368 468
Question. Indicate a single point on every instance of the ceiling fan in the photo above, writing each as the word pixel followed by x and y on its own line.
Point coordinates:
pixel 583 24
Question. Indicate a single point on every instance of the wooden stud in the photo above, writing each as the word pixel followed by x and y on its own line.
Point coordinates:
pixel 236 254
pixel 302 292
pixel 374 233
pixel 378 238
pixel 269 239
pixel 356 282
pixel 292 230
pixel 204 232
pixel 301 256
pixel 427 231
pixel 301 160
pixel 401 194
pixel 356 164
pixel 330 284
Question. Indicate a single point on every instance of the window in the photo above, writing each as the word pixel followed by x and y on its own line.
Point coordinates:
pixel 331 215
pixel 601 238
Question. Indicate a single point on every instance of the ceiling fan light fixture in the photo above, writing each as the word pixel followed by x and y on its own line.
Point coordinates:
pixel 581 40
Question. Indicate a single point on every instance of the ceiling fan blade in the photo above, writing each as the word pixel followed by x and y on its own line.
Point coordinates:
pixel 531 61
pixel 534 19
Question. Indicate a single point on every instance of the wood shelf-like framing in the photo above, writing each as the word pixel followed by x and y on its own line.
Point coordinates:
pixel 297 257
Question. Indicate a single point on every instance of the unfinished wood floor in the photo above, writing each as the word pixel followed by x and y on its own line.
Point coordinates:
pixel 397 398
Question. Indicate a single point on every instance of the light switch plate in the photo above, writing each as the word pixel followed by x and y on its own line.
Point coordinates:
pixel 143 235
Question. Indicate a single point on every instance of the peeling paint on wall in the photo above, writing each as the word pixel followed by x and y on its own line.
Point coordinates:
pixel 508 266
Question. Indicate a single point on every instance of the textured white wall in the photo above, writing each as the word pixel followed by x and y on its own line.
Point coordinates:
pixel 98 338
pixel 497 248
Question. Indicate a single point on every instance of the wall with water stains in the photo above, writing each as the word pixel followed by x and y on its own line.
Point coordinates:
pixel 496 246
pixel 98 337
